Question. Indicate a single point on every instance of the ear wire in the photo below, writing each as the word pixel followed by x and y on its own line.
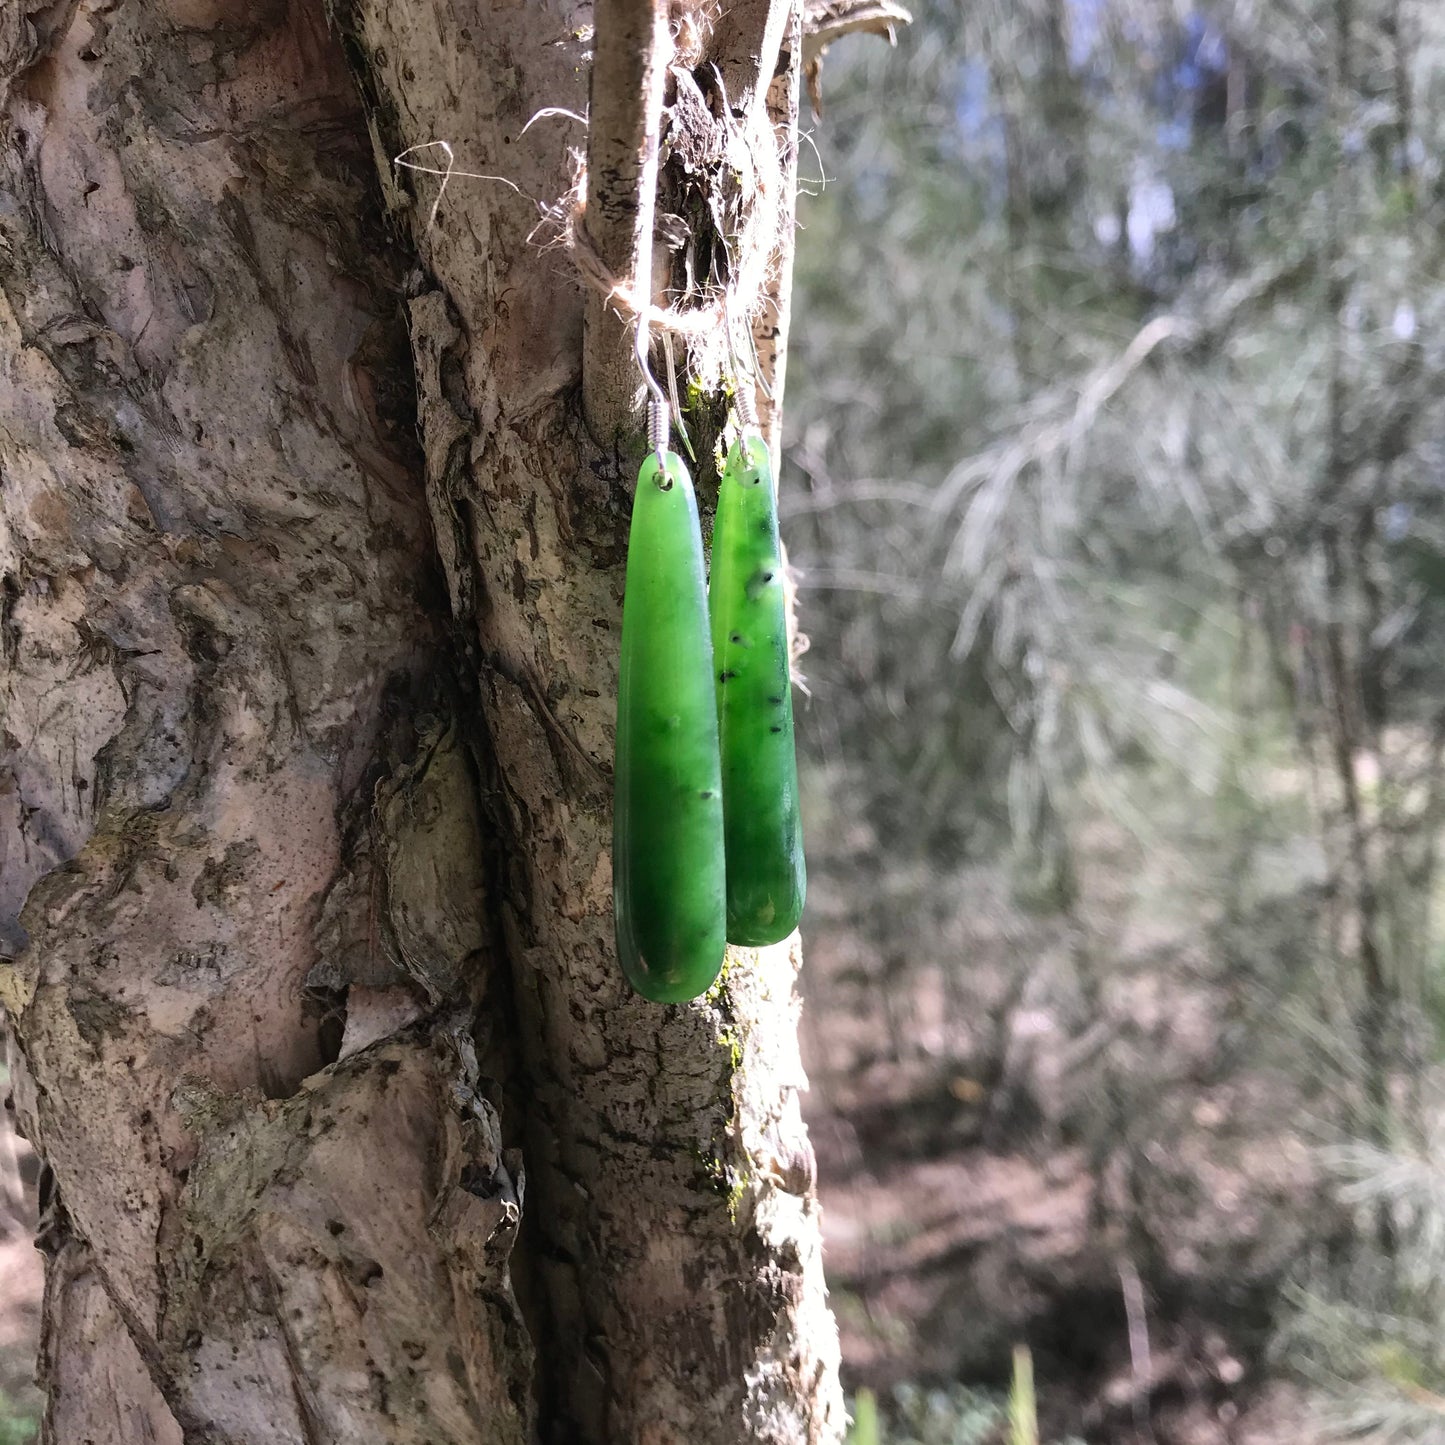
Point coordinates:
pixel 743 377
pixel 657 403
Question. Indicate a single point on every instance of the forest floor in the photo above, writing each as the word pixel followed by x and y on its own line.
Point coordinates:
pixel 1084 1133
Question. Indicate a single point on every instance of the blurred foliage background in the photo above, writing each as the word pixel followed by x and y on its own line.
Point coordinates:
pixel 1115 477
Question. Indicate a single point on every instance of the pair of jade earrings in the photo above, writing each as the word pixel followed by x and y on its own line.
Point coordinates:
pixel 707 845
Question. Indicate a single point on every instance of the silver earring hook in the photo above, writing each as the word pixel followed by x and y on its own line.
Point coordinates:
pixel 743 379
pixel 657 406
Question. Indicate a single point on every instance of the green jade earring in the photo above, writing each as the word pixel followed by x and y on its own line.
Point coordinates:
pixel 667 840
pixel 763 831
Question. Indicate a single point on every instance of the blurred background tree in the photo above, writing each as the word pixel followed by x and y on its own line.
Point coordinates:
pixel 1118 422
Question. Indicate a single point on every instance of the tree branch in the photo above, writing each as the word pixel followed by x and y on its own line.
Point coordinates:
pixel 631 49
pixel 770 325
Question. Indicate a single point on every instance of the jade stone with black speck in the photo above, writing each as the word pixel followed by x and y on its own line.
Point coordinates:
pixel 762 822
pixel 667 840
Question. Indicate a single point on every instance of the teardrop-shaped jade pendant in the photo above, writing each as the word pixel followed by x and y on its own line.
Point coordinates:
pixel 667 832
pixel 766 877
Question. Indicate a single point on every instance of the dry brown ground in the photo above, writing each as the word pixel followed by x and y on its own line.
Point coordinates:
pixel 1000 1157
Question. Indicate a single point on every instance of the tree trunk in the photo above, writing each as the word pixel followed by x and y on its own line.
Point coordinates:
pixel 311 588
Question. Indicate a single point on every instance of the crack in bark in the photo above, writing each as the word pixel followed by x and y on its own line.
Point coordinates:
pixel 313 1432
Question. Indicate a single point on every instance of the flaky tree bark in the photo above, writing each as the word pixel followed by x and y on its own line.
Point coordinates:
pixel 311 582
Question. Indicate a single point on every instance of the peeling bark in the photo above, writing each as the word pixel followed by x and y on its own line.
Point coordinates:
pixel 304 794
